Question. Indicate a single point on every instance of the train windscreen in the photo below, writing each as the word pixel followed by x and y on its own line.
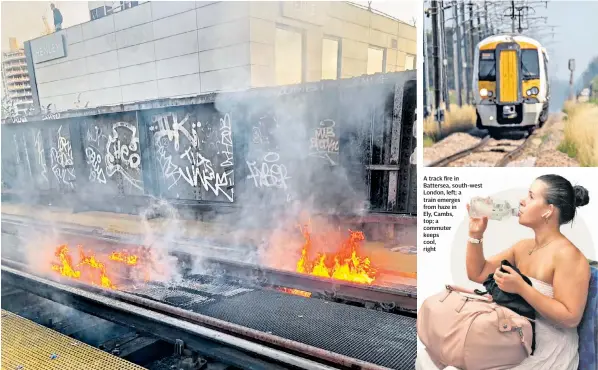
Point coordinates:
pixel 487 66
pixel 530 64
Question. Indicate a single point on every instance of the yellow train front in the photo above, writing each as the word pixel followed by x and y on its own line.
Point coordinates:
pixel 510 84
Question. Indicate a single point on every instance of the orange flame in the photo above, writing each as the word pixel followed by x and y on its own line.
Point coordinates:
pixel 91 269
pixel 95 268
pixel 125 257
pixel 345 264
pixel 65 267
pixel 296 292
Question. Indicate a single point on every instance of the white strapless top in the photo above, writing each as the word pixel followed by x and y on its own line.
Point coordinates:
pixel 543 287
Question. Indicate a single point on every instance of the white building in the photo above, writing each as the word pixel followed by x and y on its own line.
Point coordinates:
pixel 15 78
pixel 99 9
pixel 170 49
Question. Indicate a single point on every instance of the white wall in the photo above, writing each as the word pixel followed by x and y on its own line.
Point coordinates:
pixel 154 50
pixel 168 49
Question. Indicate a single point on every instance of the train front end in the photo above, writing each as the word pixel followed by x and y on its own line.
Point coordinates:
pixel 509 85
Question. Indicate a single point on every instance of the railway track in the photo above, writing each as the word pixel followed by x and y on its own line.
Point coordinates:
pixel 265 329
pixel 236 315
pixel 136 330
pixel 482 151
pixel 400 299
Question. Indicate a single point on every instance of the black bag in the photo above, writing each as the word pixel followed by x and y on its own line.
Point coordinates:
pixel 510 300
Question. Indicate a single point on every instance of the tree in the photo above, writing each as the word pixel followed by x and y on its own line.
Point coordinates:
pixel 588 75
pixel 9 109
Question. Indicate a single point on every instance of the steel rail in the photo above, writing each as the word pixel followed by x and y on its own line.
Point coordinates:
pixel 504 161
pixel 464 153
pixel 442 162
pixel 164 312
pixel 255 275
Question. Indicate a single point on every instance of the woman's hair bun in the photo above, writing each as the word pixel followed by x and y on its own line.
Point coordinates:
pixel 582 197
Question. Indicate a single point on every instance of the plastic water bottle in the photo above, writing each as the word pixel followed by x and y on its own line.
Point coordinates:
pixel 494 209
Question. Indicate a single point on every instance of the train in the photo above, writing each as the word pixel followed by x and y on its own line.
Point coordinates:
pixel 510 84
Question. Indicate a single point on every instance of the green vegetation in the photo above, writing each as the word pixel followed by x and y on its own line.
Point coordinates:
pixel 568 148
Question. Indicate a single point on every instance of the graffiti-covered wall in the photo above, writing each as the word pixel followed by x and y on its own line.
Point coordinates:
pixel 338 145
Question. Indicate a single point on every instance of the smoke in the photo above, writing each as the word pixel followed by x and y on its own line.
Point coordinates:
pixel 285 182
pixel 300 156
pixel 161 241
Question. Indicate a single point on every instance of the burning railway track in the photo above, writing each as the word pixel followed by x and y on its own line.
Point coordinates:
pixel 225 299
pixel 150 336
pixel 344 276
pixel 224 315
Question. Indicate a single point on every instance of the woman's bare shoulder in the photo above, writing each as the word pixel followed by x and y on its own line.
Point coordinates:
pixel 566 253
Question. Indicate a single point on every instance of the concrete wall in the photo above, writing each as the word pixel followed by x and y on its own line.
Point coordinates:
pixel 170 49
pixel 154 50
pixel 355 28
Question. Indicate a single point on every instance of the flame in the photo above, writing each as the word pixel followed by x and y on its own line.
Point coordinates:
pixel 97 270
pixel 92 269
pixel 124 257
pixel 296 292
pixel 345 264
pixel 65 267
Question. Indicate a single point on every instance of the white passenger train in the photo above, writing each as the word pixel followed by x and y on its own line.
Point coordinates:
pixel 510 83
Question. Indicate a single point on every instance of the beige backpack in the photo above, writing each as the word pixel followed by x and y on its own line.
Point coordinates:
pixel 462 329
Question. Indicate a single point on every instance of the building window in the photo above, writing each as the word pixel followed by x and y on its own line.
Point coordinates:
pixel 376 60
pixel 409 62
pixel 128 4
pixel 97 13
pixel 330 59
pixel 288 56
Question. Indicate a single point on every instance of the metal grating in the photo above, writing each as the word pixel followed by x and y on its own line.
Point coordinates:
pixel 175 297
pixel 226 290
pixel 29 346
pixel 381 338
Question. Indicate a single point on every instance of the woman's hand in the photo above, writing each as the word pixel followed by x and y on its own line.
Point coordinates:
pixel 477 226
pixel 510 282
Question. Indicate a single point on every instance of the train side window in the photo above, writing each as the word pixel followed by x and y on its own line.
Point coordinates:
pixel 487 66
pixel 545 58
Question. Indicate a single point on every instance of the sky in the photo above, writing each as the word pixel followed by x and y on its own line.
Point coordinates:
pixel 576 33
pixel 23 19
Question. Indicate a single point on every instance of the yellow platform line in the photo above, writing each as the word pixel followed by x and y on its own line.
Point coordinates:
pixel 29 346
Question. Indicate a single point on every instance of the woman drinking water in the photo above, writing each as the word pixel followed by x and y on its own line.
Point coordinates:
pixel 558 270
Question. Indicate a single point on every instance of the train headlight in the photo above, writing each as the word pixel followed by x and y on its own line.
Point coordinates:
pixel 533 91
pixel 483 93
pixel 490 94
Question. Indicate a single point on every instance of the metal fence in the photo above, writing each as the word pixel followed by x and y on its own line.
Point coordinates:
pixel 332 143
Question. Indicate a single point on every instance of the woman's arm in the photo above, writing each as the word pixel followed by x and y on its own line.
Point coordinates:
pixel 570 284
pixel 478 268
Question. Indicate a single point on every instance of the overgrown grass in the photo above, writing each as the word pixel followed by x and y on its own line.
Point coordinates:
pixel 459 119
pixel 581 133
pixel 428 141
